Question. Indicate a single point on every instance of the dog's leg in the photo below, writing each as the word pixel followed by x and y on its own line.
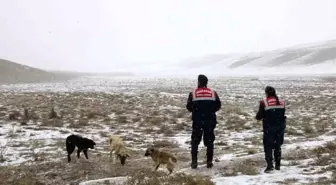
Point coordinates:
pixel 170 171
pixel 154 165
pixel 85 153
pixel 115 158
pixel 69 158
pixel 70 148
pixel 111 151
pixel 170 168
pixel 78 152
pixel 157 166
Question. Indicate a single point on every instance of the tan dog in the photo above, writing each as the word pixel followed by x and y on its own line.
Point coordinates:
pixel 161 157
pixel 117 145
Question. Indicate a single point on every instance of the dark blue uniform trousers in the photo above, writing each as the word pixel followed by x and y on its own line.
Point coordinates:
pixel 205 129
pixel 272 140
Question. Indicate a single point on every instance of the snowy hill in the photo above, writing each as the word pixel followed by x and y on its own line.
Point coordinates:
pixel 308 59
pixel 304 55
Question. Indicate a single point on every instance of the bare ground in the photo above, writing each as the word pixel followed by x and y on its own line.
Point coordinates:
pixel 32 149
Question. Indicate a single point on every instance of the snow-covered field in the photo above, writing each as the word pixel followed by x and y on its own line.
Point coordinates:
pixel 152 112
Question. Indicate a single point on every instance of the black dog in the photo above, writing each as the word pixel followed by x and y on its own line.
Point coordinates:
pixel 83 144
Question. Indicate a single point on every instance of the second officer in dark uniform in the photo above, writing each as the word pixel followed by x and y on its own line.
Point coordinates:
pixel 272 113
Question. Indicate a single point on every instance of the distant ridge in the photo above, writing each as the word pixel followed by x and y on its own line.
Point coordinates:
pixel 11 72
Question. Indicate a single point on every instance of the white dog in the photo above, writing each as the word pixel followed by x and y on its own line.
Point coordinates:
pixel 117 145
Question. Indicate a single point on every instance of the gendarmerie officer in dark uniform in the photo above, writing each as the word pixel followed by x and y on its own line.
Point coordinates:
pixel 272 113
pixel 203 102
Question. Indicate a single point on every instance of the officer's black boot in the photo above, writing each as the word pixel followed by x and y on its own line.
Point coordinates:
pixel 277 164
pixel 194 152
pixel 277 158
pixel 210 155
pixel 193 161
pixel 268 147
pixel 269 167
pixel 209 164
pixel 269 159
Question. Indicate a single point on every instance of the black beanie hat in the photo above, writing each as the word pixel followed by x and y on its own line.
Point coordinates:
pixel 202 80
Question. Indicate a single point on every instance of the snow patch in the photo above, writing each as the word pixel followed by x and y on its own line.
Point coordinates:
pixel 115 180
pixel 269 179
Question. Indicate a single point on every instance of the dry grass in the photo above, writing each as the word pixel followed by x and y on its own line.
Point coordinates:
pixel 294 122
pixel 292 131
pixel 3 149
pixel 136 119
pixel 182 114
pixel 165 144
pixel 121 119
pixel 221 143
pixel 179 126
pixel 289 181
pixel 18 176
pixel 145 177
pixel 323 125
pixel 252 151
pixel 297 155
pixel 235 123
pixel 245 167
pixel 308 129
pixel 52 123
pixel 166 131
pixel 257 141
pixel 53 114
pixel 323 160
pixel 149 130
pixel 331 146
pixel 153 121
pixel 324 181
pixel 294 163
pixel 94 114
pixel 35 144
pixel 325 154
pixel 104 134
pixel 232 109
pixel 82 122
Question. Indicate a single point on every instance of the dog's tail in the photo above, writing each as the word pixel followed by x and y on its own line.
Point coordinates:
pixel 172 160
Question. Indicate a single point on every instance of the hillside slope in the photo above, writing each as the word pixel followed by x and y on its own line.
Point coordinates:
pixel 304 55
pixel 316 58
pixel 11 72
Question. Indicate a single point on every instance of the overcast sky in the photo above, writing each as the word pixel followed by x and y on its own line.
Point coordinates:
pixel 115 35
